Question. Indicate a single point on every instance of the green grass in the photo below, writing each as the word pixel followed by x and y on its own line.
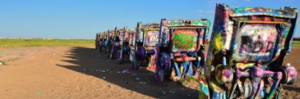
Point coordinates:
pixel 3 62
pixel 16 43
pixel 296 44
pixel 13 59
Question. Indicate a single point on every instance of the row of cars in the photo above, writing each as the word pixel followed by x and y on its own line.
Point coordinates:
pixel 244 58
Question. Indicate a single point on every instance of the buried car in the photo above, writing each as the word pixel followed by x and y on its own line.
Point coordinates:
pixel 128 44
pixel 97 40
pixel 181 48
pixel 104 42
pixel 109 41
pixel 146 40
pixel 117 43
pixel 246 53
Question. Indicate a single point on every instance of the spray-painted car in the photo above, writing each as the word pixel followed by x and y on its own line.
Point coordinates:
pixel 109 42
pixel 125 38
pixel 129 51
pixel 104 42
pixel 146 40
pixel 101 40
pixel 181 48
pixel 97 40
pixel 246 53
pixel 132 37
pixel 117 43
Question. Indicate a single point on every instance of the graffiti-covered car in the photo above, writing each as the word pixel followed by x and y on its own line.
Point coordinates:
pixel 117 43
pixel 109 41
pixel 246 53
pixel 101 40
pixel 97 40
pixel 132 37
pixel 104 42
pixel 181 47
pixel 145 47
pixel 125 47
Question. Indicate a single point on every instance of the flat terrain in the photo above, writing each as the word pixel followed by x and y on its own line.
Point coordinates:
pixel 78 73
pixel 82 73
pixel 17 43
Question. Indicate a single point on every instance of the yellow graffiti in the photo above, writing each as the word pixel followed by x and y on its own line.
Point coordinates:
pixel 247 9
pixel 218 42
pixel 153 39
pixel 270 10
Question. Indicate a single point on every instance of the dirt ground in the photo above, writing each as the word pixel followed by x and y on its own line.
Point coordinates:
pixel 82 73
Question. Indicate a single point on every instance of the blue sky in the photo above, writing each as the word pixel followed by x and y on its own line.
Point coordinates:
pixel 82 19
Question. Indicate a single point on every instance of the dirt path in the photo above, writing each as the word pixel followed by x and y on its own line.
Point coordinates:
pixel 293 91
pixel 82 73
pixel 58 73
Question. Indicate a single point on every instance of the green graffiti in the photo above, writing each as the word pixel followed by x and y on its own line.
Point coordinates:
pixel 198 22
pixel 174 23
pixel 287 32
pixel 183 41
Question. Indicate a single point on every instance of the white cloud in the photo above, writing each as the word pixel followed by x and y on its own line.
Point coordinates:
pixel 206 11
pixel 210 11
pixel 201 11
pixel 210 1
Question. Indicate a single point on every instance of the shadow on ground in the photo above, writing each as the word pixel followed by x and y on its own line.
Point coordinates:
pixel 291 88
pixel 89 60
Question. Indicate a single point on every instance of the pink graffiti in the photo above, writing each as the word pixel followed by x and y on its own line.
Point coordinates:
pixel 261 38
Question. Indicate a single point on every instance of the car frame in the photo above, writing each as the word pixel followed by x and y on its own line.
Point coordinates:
pixel 246 53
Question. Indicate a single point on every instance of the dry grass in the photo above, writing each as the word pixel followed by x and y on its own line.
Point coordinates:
pixel 17 43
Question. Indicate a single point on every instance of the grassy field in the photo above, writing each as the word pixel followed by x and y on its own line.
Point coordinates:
pixel 296 44
pixel 16 43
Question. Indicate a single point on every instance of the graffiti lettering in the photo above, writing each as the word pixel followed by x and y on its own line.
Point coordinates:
pixel 256 47
pixel 257 54
pixel 257 39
